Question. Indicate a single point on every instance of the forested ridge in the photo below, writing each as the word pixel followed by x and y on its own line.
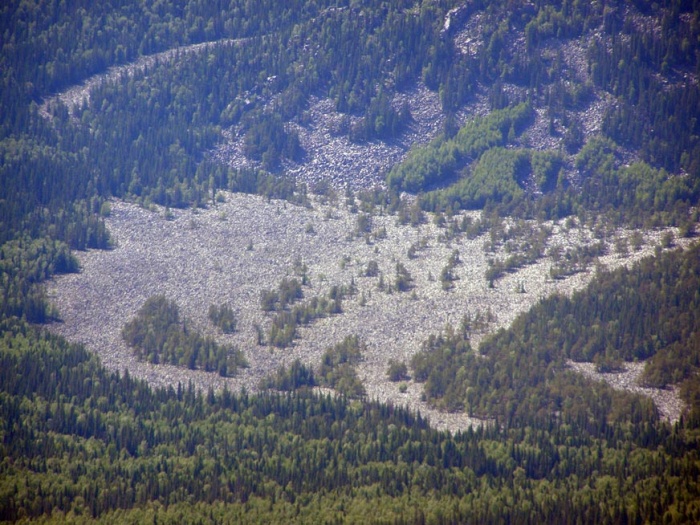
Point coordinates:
pixel 648 312
pixel 80 443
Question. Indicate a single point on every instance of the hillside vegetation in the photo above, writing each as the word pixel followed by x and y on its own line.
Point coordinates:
pixel 434 190
pixel 221 457
pixel 647 312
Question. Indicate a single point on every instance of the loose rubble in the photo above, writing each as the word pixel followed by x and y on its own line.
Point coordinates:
pixel 232 251
pixel 332 157
pixel 667 401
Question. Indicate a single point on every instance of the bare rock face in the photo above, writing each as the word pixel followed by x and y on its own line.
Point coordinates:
pixel 231 252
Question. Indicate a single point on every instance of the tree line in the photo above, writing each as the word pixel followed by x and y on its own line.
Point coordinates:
pixel 190 455
pixel 648 312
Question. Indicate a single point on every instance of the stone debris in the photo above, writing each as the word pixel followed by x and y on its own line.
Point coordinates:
pixel 331 156
pixel 232 251
pixel 667 401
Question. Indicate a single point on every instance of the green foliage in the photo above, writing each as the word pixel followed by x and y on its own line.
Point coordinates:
pixel 426 166
pixel 397 371
pixel 24 264
pixel 523 241
pixel 607 363
pixel 144 136
pixel 269 141
pixel 440 364
pixel 87 444
pixel 496 177
pixel 132 139
pixel 260 183
pixel 363 224
pixel 156 334
pixel 597 158
pixel 80 444
pixel 575 260
pixel 447 276
pixel 403 282
pixel 382 121
pixel 288 292
pixel 649 311
pixel 545 166
pixel 283 330
pixel 638 195
pixel 292 378
pixel 652 115
pixel 500 176
pixel 43 193
pixel 372 269
pixel 223 317
pixel 337 368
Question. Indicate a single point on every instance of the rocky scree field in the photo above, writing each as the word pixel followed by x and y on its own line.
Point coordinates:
pixel 231 252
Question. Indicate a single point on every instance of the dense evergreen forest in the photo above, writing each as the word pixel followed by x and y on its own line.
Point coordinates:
pixel 80 444
pixel 157 334
pixel 649 312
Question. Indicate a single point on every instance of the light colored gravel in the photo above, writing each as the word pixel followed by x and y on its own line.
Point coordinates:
pixel 202 257
pixel 332 157
pixel 666 400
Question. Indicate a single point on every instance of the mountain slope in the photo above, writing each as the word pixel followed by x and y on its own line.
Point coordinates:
pixel 541 140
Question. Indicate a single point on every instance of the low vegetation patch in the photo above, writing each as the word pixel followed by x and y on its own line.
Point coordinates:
pixel 159 336
pixel 337 368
